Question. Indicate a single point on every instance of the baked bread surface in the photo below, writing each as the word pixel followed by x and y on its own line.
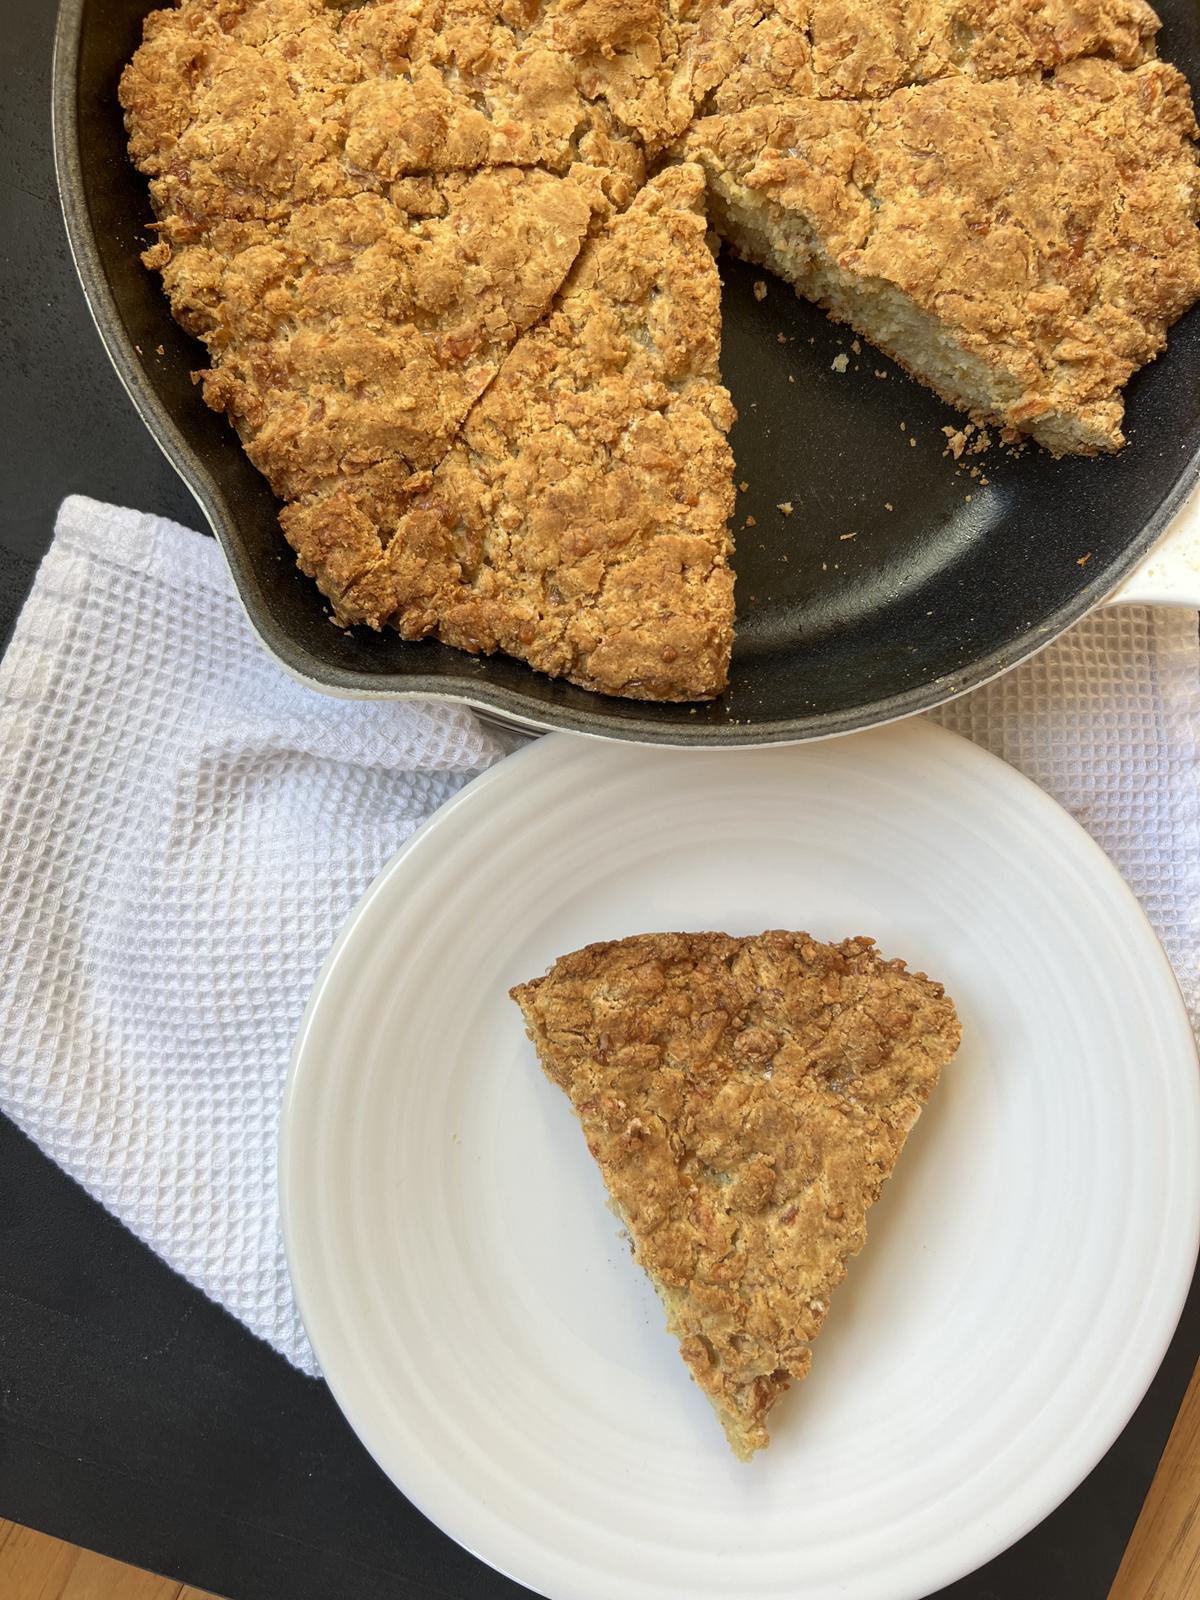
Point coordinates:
pixel 745 1100
pixel 384 221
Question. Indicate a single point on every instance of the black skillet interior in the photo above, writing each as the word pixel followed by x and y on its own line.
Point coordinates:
pixel 899 577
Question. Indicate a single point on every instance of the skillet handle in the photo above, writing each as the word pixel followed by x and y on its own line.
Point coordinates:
pixel 1170 574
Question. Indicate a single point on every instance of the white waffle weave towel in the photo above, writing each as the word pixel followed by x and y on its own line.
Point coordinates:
pixel 183 829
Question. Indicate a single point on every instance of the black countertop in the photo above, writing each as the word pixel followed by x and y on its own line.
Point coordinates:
pixel 136 1417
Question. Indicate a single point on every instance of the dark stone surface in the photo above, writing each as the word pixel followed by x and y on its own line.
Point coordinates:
pixel 136 1417
pixel 68 425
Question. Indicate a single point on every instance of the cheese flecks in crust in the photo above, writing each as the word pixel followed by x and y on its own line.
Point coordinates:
pixel 745 1100
pixel 1021 246
pixel 579 522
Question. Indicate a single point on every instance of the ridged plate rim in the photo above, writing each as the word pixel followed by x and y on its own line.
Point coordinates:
pixel 347 1264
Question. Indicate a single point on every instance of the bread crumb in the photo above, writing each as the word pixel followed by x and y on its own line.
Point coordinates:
pixel 743 486
pixel 912 441
pixel 956 442
pixel 853 535
pixel 791 378
pixel 840 363
pixel 760 289
pixel 752 522
pixel 904 427
pixel 888 506
pixel 786 507
pixel 856 347
pixel 781 338
pixel 879 374
pixel 1083 560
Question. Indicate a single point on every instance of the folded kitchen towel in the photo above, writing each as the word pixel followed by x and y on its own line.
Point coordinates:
pixel 183 829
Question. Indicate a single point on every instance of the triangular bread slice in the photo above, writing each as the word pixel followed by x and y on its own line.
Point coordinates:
pixel 580 519
pixel 745 1100
pixel 1021 246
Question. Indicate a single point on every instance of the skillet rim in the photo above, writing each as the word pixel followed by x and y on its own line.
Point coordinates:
pixel 510 707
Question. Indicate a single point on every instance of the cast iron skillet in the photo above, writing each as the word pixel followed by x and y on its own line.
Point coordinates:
pixel 947 580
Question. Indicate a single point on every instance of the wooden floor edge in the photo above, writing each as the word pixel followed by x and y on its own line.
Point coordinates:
pixel 1162 1559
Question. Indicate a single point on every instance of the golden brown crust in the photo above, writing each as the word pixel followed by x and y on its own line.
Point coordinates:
pixel 362 330
pixel 274 99
pixel 863 49
pixel 745 1100
pixel 363 209
pixel 353 311
pixel 1045 226
pixel 360 212
pixel 580 520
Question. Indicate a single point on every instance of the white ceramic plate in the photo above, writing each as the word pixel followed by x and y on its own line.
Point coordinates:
pixel 479 1318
